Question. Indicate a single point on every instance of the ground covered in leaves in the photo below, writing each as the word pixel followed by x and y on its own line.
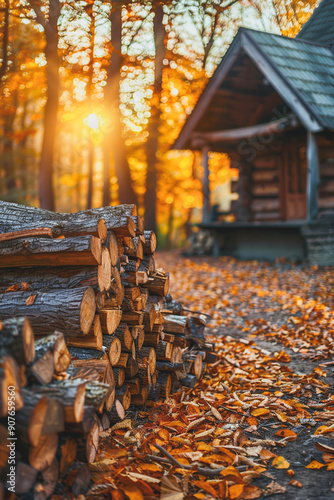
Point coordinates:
pixel 261 422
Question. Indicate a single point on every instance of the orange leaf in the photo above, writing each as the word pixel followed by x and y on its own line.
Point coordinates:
pixel 201 446
pixel 266 454
pixel 13 288
pixel 330 466
pixel 290 473
pixel 260 411
pixel 321 429
pixel 31 299
pixel 115 453
pixel 236 490
pixel 150 467
pixel 133 492
pixel 164 434
pixel 283 356
pixel 117 495
pixel 251 492
pixel 296 483
pixel 280 463
pixel 231 474
pixel 327 457
pixel 25 286
pixel 281 416
pixel 252 421
pixel 206 487
pixel 287 433
pixel 315 465
pixel 324 447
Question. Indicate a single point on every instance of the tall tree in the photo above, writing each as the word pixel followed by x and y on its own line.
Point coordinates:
pixel 153 128
pixel 113 143
pixel 49 22
pixel 5 39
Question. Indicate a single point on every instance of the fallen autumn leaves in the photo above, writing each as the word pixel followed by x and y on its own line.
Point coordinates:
pixel 208 442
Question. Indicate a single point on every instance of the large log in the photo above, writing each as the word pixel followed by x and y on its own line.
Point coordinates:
pixel 62 277
pixel 81 250
pixel 14 217
pixel 69 311
pixel 17 340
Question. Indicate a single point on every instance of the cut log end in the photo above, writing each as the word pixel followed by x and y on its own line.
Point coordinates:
pixel 104 271
pixel 87 310
pixel 96 248
pixel 113 248
pixel 28 341
pixel 115 350
pixel 102 230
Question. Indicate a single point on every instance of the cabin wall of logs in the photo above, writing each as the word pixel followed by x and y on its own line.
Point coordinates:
pixel 258 187
pixel 326 167
pixel 88 332
pixel 270 174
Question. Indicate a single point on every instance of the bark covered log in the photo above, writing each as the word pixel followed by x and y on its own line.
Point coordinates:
pixel 17 340
pixel 69 311
pixel 55 278
pixel 120 219
pixel 81 250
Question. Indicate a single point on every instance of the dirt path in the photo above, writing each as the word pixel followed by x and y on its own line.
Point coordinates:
pixel 260 422
pixel 275 307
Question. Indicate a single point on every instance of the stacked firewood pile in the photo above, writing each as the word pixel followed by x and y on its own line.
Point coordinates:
pixel 87 329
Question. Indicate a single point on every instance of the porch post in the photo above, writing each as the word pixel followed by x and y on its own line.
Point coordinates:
pixel 312 175
pixel 206 185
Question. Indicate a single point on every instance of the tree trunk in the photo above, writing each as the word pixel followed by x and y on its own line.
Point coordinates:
pixel 113 140
pixel 152 141
pixel 46 190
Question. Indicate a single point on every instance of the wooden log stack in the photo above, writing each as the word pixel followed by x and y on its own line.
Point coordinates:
pixel 87 330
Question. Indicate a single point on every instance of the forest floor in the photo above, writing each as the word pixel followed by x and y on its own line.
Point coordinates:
pixel 263 415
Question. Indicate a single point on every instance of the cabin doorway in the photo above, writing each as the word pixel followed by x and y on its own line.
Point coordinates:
pixel 295 182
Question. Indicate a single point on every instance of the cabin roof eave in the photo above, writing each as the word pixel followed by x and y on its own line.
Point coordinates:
pixel 245 42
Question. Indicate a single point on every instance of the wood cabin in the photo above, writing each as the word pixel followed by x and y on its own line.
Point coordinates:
pixel 270 107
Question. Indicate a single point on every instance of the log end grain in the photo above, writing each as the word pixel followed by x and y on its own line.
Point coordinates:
pixel 104 271
pixel 102 230
pixel 87 310
pixel 96 248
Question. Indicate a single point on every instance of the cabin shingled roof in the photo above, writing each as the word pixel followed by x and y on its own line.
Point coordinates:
pixel 320 26
pixel 308 67
pixel 306 63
